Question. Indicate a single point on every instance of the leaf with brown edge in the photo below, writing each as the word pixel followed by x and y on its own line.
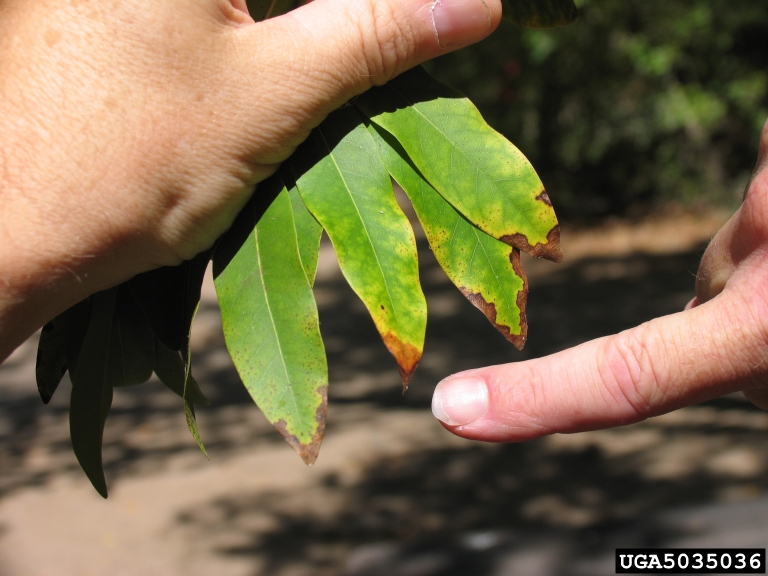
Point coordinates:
pixel 270 318
pixel 486 270
pixel 345 186
pixel 483 175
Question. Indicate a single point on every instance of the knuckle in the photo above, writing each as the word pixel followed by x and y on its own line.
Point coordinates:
pixel 628 374
pixel 387 41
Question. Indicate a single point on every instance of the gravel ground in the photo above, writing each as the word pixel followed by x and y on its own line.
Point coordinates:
pixel 392 493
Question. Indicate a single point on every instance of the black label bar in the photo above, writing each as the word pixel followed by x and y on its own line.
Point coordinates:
pixel 690 561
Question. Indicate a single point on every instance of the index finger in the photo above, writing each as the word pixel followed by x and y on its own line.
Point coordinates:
pixel 670 362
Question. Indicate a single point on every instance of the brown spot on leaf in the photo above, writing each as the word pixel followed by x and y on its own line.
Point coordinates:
pixel 308 452
pixel 544 197
pixel 549 250
pixel 406 355
pixel 489 308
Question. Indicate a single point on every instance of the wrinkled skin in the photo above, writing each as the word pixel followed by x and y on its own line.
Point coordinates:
pixel 133 132
pixel 718 345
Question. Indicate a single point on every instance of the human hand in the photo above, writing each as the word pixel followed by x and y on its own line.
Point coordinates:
pixel 134 132
pixel 718 345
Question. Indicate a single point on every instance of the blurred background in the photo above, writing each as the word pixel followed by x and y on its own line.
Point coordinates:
pixel 643 121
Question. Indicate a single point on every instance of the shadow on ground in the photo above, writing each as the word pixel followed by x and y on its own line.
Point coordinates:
pixel 553 506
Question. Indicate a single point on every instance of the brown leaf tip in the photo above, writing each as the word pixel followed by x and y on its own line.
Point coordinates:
pixel 406 355
pixel 308 451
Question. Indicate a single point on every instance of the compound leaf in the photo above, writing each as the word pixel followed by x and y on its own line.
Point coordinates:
pixel 92 391
pixel 59 346
pixel 487 271
pixel 270 319
pixel 471 165
pixel 343 183
pixel 540 13
pixel 132 345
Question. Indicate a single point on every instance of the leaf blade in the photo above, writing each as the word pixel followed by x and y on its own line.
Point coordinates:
pixel 270 320
pixel 485 178
pixel 347 189
pixel 169 367
pixel 487 271
pixel 92 392
pixel 169 297
pixel 132 345
pixel 308 232
pixel 59 346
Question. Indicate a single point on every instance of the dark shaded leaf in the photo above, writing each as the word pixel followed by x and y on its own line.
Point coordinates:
pixel 92 392
pixel 169 367
pixel 263 9
pixel 132 344
pixel 270 319
pixel 169 297
pixel 59 346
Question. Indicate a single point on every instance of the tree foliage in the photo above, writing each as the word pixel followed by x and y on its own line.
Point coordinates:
pixel 641 102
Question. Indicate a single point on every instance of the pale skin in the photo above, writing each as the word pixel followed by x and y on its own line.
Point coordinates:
pixel 131 134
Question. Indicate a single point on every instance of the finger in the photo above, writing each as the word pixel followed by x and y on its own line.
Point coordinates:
pixel 307 63
pixel 741 236
pixel 718 262
pixel 713 349
pixel 758 397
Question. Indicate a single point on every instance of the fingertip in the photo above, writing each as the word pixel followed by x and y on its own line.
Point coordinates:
pixel 459 401
pixel 459 23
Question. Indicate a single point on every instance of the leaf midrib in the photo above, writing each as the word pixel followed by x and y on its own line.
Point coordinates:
pixel 362 220
pixel 260 269
pixel 477 167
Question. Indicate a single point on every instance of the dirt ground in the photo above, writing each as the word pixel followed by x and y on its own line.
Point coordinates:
pixel 393 493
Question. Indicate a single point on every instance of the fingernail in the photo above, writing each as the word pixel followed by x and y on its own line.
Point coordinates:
pixel 461 22
pixel 460 401
pixel 692 304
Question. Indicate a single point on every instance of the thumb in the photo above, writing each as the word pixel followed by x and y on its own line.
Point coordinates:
pixel 667 363
pixel 301 66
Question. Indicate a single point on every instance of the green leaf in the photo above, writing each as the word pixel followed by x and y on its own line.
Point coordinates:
pixel 132 345
pixel 540 13
pixel 59 346
pixel 169 297
pixel 270 318
pixel 189 413
pixel 471 165
pixel 174 372
pixel 92 392
pixel 308 233
pixel 343 183
pixel 170 369
pixel 487 271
